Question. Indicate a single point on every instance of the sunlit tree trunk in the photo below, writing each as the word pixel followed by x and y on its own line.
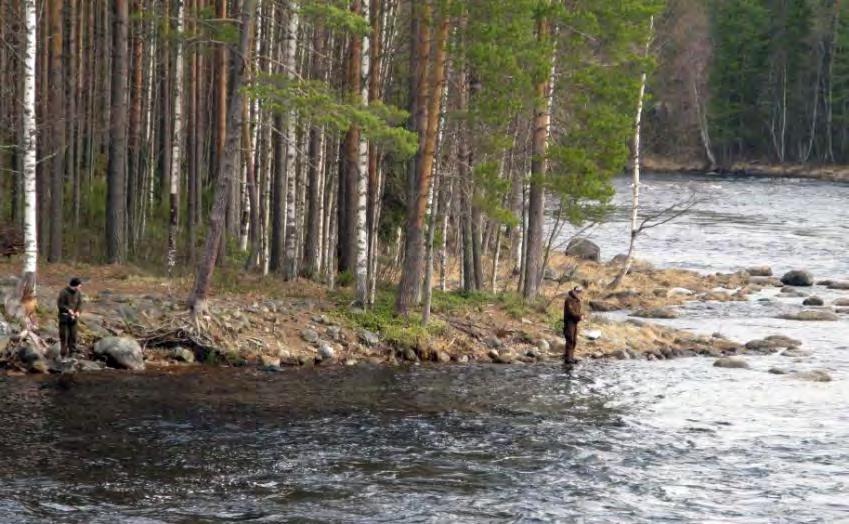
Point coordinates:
pixel 361 270
pixel 57 118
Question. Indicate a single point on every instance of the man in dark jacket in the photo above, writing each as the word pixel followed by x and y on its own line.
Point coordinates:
pixel 70 304
pixel 572 314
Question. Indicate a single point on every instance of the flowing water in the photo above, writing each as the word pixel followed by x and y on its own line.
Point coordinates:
pixel 617 441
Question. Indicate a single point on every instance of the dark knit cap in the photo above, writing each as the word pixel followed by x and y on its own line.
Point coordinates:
pixel 75 282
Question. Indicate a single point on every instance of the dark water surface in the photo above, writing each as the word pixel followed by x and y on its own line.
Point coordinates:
pixel 630 441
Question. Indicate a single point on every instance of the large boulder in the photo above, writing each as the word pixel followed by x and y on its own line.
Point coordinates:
pixel 772 344
pixel 121 352
pixel 583 249
pixel 798 278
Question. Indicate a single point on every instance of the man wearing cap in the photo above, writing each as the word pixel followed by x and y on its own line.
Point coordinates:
pixel 572 314
pixel 70 303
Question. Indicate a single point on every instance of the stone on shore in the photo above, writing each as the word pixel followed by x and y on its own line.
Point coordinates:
pixel 798 277
pixel 309 336
pixel 584 249
pixel 731 363
pixel 604 306
pixel 593 334
pixel 766 281
pixel 326 351
pixel 121 352
pixel 811 316
pixel 181 354
pixel 369 339
pixel 759 271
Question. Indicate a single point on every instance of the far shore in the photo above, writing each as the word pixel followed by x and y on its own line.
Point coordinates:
pixel 825 172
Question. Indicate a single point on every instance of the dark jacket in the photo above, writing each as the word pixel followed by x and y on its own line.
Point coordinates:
pixel 572 311
pixel 69 300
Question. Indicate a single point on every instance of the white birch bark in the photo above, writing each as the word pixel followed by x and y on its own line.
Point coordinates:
pixel 361 269
pixel 27 288
pixel 635 184
pixel 176 144
pixel 291 261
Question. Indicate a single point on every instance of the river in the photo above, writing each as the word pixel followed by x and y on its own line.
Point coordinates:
pixel 612 441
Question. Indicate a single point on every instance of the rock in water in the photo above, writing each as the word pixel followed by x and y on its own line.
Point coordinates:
pixel 759 271
pixel 813 301
pixel 815 375
pixel 443 357
pixel 838 284
pixel 655 313
pixel 731 363
pixel 798 277
pixel 122 352
pixel 811 316
pixel 583 249
pixel 842 302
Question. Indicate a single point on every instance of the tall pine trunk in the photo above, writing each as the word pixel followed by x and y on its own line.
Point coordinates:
pixel 227 167
pixel 57 118
pixel 536 198
pixel 116 211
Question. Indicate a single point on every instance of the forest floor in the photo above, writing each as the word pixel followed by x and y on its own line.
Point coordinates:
pixel 828 172
pixel 270 323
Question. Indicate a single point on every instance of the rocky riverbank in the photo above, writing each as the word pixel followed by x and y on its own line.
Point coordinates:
pixel 135 321
pixel 832 173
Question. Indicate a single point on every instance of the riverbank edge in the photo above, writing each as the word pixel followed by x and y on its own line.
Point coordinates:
pixel 823 172
pixel 303 326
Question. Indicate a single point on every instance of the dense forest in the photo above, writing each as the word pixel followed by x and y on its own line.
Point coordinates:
pixel 751 80
pixel 371 142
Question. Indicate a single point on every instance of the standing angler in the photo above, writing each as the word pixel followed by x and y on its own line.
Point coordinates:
pixel 70 303
pixel 572 314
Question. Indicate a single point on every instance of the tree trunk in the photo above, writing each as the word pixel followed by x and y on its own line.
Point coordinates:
pixel 635 184
pixel 291 260
pixel 57 119
pixel 227 166
pixel 536 199
pixel 419 189
pixel 116 239
pixel 176 146
pixel 361 269
pixel 27 291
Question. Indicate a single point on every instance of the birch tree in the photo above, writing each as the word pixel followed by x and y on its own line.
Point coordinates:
pixel 27 287
pixel 291 259
pixel 361 269
pixel 176 145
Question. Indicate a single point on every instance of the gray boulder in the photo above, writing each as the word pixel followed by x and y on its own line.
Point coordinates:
pixel 841 302
pixel 584 249
pixel 798 278
pixel 182 354
pixel 655 313
pixel 814 375
pixel 813 301
pixel 766 281
pixel 838 284
pixel 121 352
pixel 604 306
pixel 5 329
pixel 759 271
pixel 731 363
pixel 811 316
pixel 443 357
